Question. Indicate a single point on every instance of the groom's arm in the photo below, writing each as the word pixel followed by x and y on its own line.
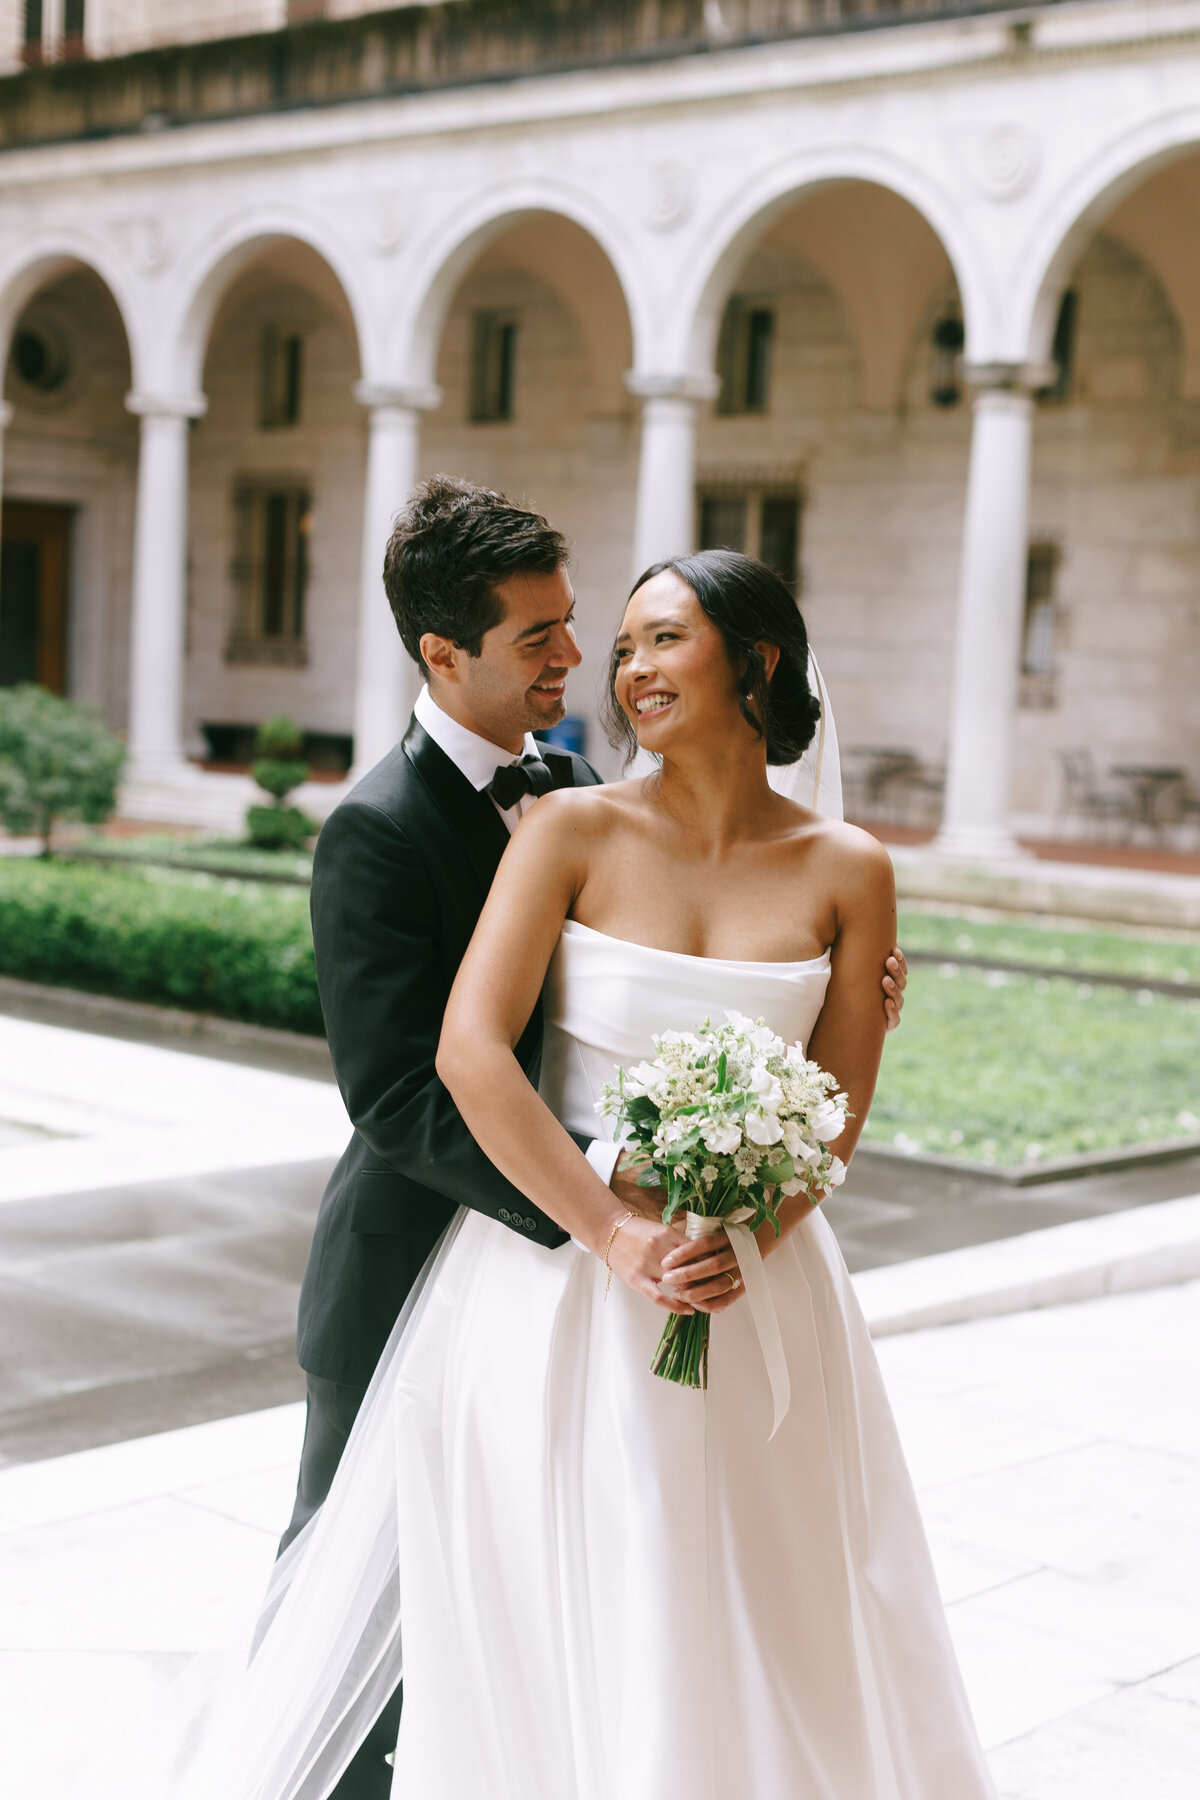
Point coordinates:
pixel 383 981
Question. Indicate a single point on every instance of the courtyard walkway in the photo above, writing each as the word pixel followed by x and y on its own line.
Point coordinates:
pixel 156 1211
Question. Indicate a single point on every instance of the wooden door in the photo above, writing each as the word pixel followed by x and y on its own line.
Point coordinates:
pixel 34 560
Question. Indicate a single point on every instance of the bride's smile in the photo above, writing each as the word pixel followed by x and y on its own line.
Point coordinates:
pixel 673 676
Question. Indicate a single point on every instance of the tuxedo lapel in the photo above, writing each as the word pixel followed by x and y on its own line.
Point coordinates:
pixel 561 767
pixel 474 822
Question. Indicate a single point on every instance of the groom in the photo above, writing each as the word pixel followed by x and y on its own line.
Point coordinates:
pixel 482 601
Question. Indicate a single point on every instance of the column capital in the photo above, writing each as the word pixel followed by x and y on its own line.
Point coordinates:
pixel 165 406
pixel 1020 380
pixel 696 388
pixel 6 415
pixel 379 396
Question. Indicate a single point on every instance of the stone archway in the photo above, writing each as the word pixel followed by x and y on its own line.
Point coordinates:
pixel 69 467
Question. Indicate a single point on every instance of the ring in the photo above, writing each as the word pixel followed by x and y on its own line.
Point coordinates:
pixel 734 1280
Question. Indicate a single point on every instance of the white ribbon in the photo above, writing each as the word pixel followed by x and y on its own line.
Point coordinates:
pixel 762 1308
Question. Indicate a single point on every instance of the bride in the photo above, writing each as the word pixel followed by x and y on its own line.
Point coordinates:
pixel 612 1587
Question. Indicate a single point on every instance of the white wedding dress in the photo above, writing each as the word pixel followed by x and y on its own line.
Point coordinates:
pixel 614 1588
pixel 608 1587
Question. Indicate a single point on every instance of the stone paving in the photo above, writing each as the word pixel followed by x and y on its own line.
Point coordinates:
pixel 146 1460
pixel 1057 1456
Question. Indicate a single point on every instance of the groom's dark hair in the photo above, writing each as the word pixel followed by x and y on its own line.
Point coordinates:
pixel 450 548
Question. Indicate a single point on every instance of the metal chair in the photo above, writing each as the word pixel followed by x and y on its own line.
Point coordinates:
pixel 1187 810
pixel 1083 797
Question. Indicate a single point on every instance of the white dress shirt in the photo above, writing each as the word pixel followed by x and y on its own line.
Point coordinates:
pixel 472 755
pixel 477 759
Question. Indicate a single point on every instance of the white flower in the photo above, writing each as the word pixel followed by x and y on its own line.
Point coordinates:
pixel 720 1138
pixel 668 1133
pixel 829 1121
pixel 792 1187
pixel 767 1087
pixel 837 1173
pixel 797 1145
pixel 746 1160
pixel 763 1128
pixel 709 1173
pixel 641 1078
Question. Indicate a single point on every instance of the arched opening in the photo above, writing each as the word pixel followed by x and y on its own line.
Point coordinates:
pixel 1111 645
pixel 535 343
pixel 70 466
pixel 276 474
pixel 837 450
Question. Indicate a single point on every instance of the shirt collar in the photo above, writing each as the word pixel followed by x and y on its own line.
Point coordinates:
pixel 472 755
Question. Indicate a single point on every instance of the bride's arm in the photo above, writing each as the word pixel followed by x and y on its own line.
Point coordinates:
pixel 848 1036
pixel 496 990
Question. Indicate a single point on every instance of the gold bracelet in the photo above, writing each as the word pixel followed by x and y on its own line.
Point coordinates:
pixel 608 1249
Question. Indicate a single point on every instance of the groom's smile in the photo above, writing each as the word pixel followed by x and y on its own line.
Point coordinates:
pixel 518 681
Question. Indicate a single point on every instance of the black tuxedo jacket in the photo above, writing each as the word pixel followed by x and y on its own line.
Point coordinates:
pixel 402 869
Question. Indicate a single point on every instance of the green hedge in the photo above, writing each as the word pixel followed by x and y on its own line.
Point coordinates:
pixel 194 941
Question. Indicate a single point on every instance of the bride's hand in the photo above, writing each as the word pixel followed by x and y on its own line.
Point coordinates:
pixel 704 1271
pixel 636 1256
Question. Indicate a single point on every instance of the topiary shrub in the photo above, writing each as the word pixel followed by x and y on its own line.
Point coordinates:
pixel 58 760
pixel 278 768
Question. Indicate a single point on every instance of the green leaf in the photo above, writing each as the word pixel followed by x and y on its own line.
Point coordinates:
pixel 783 1170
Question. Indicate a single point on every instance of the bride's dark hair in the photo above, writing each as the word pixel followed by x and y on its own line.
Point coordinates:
pixel 749 605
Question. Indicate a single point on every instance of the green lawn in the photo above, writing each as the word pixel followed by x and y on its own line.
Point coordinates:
pixel 990 1066
pixel 1159 957
pixel 1013 1068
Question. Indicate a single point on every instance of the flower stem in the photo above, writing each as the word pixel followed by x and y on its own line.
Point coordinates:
pixel 682 1353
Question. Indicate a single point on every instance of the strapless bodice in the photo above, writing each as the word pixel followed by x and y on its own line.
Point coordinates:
pixel 605 998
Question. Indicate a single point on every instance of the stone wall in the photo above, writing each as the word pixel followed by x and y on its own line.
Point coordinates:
pixel 76 446
pixel 1117 489
pixel 325 452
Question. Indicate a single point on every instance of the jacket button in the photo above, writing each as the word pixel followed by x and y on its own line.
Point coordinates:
pixel 530 1224
pixel 505 1216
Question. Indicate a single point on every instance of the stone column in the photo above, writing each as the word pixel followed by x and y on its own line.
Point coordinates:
pixel 158 616
pixel 991 609
pixel 388 681
pixel 664 520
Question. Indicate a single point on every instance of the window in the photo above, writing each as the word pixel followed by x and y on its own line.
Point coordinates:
pixel 1041 621
pixel 493 367
pixel 744 357
pixel 761 521
pixel 272 524
pixel 1062 352
pixel 282 368
pixel 39 358
pixel 34 22
pixel 72 28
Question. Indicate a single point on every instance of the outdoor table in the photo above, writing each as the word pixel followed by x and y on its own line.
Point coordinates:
pixel 1148 782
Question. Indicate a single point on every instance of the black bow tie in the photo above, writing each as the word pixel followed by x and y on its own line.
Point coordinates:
pixel 529 776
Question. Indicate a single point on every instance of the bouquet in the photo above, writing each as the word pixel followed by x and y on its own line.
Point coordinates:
pixel 726 1119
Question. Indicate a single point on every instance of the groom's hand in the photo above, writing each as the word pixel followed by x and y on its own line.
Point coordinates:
pixel 895 981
